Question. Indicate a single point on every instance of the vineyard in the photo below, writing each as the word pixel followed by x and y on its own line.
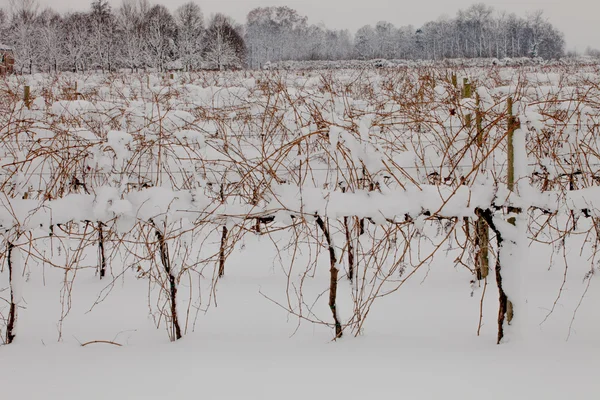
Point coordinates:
pixel 322 194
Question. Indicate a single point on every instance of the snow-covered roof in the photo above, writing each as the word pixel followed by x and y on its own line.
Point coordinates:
pixel 4 47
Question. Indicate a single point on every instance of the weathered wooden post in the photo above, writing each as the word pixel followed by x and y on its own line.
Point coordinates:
pixel 466 94
pixel 511 148
pixel 513 125
pixel 482 235
pixel 466 88
pixel 479 121
pixel 27 96
pixel 468 126
pixel 481 228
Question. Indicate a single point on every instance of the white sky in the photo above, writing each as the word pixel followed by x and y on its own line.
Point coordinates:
pixel 578 19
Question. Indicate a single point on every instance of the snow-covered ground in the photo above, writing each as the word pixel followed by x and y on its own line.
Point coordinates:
pixel 420 343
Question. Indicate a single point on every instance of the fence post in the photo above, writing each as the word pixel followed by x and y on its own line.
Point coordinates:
pixel 482 237
pixel 27 96
pixel 478 121
pixel 510 147
pixel 512 126
pixel 482 233
pixel 466 220
pixel 466 88
pixel 466 94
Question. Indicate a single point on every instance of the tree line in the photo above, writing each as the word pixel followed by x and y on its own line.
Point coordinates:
pixel 139 35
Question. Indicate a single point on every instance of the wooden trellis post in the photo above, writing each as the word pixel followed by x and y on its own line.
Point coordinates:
pixel 481 230
pixel 466 88
pixel 511 148
pixel 27 96
pixel 482 234
pixel 513 125
pixel 466 94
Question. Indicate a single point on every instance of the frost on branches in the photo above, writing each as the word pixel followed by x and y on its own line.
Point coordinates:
pixel 373 173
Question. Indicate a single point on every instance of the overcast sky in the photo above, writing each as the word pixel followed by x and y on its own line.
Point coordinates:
pixel 578 19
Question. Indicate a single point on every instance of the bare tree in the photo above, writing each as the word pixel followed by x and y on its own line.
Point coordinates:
pixel 50 43
pixel 364 42
pixel 102 34
pixel 190 29
pixel 544 40
pixel 225 47
pixel 75 39
pixel 3 20
pixel 160 34
pixel 130 24
pixel 22 33
pixel 274 33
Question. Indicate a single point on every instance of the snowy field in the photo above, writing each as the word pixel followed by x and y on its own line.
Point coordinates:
pixel 301 234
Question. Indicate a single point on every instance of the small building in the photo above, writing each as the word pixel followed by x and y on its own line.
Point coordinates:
pixel 7 60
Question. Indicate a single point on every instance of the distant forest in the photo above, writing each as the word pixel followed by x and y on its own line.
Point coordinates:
pixel 140 35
